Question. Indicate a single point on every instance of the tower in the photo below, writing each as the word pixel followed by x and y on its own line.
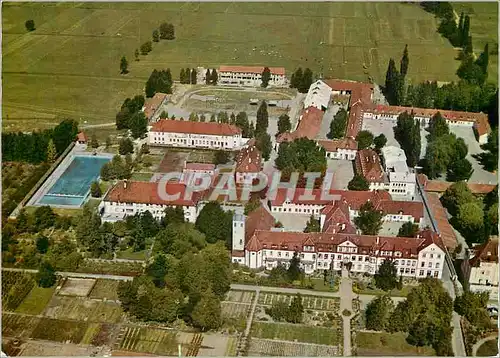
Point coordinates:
pixel 238 232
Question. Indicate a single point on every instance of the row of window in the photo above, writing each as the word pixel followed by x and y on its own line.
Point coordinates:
pixel 296 210
pixel 422 264
pixel 193 141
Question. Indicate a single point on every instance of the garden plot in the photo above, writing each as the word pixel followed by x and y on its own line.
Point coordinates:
pixel 105 289
pixel 309 302
pixel 152 340
pixel 80 287
pixel 60 330
pixel 15 287
pixel 297 333
pixel 34 348
pixel 216 345
pixel 240 296
pixel 266 347
pixel 83 310
pixel 235 310
pixel 18 326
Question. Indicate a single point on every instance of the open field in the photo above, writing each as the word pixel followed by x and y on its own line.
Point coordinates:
pixel 292 332
pixel 36 348
pixel 387 344
pixel 483 29
pixel 269 348
pixel 111 267
pixel 105 289
pixel 309 302
pixel 36 300
pixel 69 66
pixel 151 340
pixel 83 310
pixel 77 287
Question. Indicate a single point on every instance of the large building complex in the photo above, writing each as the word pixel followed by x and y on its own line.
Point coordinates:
pixel 211 135
pixel 250 76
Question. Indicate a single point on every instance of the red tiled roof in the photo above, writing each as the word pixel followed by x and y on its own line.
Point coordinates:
pixel 336 144
pixel 259 219
pixel 252 69
pixel 199 166
pixel 357 198
pixel 439 212
pixel 328 242
pixel 413 208
pixel 309 126
pixel 487 252
pixel 81 137
pixel 437 186
pixel 482 126
pixel 282 195
pixel 249 160
pixel 430 112
pixel 337 218
pixel 152 104
pixel 210 128
pixel 238 253
pixel 368 164
pixel 148 193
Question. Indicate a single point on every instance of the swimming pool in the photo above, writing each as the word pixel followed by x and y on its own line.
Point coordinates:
pixel 73 186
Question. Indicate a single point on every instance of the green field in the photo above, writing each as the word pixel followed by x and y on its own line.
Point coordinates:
pixel 301 333
pixel 36 300
pixel 69 66
pixel 83 310
pixel 387 344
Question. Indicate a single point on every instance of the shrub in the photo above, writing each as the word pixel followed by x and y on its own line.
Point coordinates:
pixel 346 312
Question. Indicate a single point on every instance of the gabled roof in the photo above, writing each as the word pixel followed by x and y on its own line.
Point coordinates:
pixel 368 165
pixel 152 104
pixel 81 137
pixel 259 219
pixel 249 160
pixel 181 126
pixel 440 215
pixel 487 252
pixel 308 127
pixel 148 193
pixel 429 112
pixel 482 126
pixel 438 186
pixel 336 144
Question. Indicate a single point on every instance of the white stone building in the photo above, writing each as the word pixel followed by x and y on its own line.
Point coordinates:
pixel 250 76
pixel 318 96
pixel 402 180
pixel 211 135
pixel 343 149
pixel 193 172
pixel 126 198
pixel 484 269
pixel 248 165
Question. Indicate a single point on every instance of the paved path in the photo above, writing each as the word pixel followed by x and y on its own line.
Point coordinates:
pixel 76 274
pixel 478 344
pixel 346 296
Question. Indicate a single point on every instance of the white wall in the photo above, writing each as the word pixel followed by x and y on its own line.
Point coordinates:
pixel 249 79
pixel 158 211
pixel 196 140
pixel 430 262
pixel 345 154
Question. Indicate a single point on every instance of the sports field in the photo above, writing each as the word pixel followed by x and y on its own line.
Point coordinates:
pixel 69 66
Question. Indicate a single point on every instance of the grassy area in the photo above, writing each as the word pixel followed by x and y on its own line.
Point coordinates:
pixel 319 285
pixel 105 289
pixel 150 340
pixel 18 326
pixel 488 349
pixel 130 254
pixel 83 310
pixel 483 29
pixel 369 291
pixel 60 330
pixel 301 333
pixel 378 344
pixel 141 176
pixel 59 69
pixel 36 300
pixel 111 268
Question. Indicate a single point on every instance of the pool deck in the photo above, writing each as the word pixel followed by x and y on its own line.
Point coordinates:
pixel 56 174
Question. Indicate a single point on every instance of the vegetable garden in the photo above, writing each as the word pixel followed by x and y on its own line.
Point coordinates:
pixel 309 302
pixel 265 347
pixel 15 287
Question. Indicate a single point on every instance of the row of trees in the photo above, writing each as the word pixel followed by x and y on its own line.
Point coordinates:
pixel 211 77
pixel 301 80
pixel 425 316
pixel 132 117
pixel 159 81
pixel 407 133
pixel 489 158
pixel 37 147
pixel 188 76
pixel 284 124
pixel 395 80
pixel 366 139
pixel 338 125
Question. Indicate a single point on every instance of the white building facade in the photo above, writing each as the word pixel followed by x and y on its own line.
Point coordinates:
pixel 318 96
pixel 250 76
pixel 173 133
pixel 402 180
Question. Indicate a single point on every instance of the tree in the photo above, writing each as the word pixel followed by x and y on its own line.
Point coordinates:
pixel 138 124
pixel 483 59
pixel 284 124
pixel 172 215
pixel 207 312
pixel 46 276
pixel 264 144
pixel 95 190
pixel 471 71
pixel 214 77
pixel 306 81
pixel 358 183
pixel 369 220
pixel 126 146
pixel 386 276
pixel 221 157
pixel 51 152
pixel 30 25
pixel 338 125
pixel 44 218
pixel 377 313
pixel 489 158
pixel 364 139
pixel 93 142
pixel 393 84
pixel 279 311
pixel 123 65
pixel 146 47
pixel 108 142
pixel 294 271
pixel 313 225
pixel 438 126
pixel 296 310
pixel 64 134
pixel 408 229
pixel 156 36
pixel 193 76
pixel 456 195
pixel 242 122
pixel 380 141
pixel 215 223
pixel 266 77
pixel 296 78
pixel 208 77
pixel 42 244
pixel 460 169
pixel 404 62
pixel 302 155
pixel 157 270
pixel 407 133
pixel 167 31
pixel 470 220
pixel 136 54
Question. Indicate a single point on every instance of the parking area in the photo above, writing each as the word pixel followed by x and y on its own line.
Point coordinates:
pixel 327 119
pixel 377 126
pixel 343 173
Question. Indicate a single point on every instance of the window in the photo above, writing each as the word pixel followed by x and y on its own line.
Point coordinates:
pixel 436 273
pixel 286 254
pixel 430 264
pixel 314 257
pixel 422 264
pixel 429 272
pixel 439 256
pixel 424 255
pixel 301 256
pixel 279 253
pixel 319 256
pixel 437 264
pixel 432 256
pixel 421 273
pixel 339 257
pixel 326 257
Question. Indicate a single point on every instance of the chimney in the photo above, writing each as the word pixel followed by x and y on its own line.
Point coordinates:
pixel 125 184
pixel 343 226
pixel 378 240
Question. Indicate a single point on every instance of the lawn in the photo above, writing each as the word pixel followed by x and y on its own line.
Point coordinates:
pixel 141 176
pixel 309 302
pixel 60 330
pixel 83 309
pixel 301 333
pixel 395 292
pixel 36 300
pixel 69 66
pixel 387 344
pixel 111 268
pixel 105 289
pixel 488 349
pixel 130 254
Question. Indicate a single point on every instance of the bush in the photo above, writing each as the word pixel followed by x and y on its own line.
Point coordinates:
pixel 346 312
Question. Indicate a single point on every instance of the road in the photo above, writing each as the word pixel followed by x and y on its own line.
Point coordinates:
pixel 76 274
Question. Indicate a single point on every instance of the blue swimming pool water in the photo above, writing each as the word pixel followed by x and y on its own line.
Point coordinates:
pixel 75 182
